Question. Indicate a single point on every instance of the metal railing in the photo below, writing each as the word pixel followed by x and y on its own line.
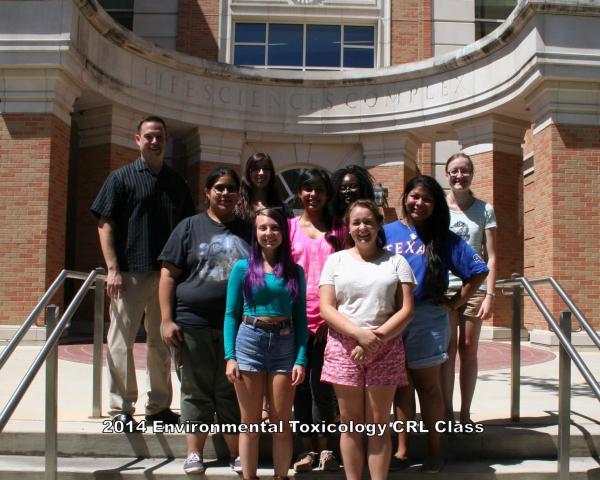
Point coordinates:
pixel 49 354
pixel 562 331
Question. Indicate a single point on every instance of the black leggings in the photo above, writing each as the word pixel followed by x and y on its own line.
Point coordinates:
pixel 315 401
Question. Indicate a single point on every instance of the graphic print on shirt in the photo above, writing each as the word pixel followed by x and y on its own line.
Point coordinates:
pixel 216 258
pixel 462 230
pixel 408 247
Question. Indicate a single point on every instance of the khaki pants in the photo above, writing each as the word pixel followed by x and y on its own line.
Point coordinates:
pixel 141 295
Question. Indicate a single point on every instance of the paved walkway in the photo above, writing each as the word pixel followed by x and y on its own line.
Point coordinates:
pixel 539 385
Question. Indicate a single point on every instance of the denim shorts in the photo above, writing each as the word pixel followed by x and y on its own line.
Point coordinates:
pixel 426 338
pixel 259 350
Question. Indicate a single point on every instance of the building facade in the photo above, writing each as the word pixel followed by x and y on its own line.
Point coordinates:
pixel 394 85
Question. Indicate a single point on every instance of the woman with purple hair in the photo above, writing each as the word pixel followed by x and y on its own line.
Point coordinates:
pixel 265 337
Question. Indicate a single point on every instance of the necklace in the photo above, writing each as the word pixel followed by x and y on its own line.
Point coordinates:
pixel 413 232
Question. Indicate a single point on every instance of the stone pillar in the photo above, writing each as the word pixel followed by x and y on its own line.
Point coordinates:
pixel 494 144
pixel 208 148
pixel 562 200
pixel 391 159
pixel 34 158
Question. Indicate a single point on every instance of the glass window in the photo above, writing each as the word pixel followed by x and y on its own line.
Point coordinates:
pixel 489 14
pixel 301 46
pixel 323 46
pixel 120 10
pixel 359 51
pixel 249 44
pixel 250 33
pixel 285 44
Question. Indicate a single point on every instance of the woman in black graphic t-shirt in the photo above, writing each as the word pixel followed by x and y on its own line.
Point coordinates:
pixel 196 262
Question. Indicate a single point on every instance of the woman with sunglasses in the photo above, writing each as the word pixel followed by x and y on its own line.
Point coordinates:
pixel 258 188
pixel 314 236
pixel 350 183
pixel 265 337
pixel 424 239
pixel 196 263
pixel 475 222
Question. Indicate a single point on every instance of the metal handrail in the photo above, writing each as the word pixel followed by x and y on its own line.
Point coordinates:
pixel 49 344
pixel 35 313
pixel 567 354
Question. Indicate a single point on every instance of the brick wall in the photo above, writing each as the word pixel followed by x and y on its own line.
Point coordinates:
pixel 394 179
pixel 498 181
pixel 198 28
pixel 34 156
pixel 562 231
pixel 411 30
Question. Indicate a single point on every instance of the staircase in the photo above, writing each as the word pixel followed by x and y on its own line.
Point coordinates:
pixel 503 450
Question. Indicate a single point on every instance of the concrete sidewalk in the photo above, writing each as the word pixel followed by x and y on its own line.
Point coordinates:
pixel 539 388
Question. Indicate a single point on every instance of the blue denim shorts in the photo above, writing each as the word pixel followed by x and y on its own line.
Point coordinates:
pixel 426 338
pixel 259 350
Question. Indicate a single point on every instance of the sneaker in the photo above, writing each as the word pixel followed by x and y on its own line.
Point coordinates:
pixel 167 417
pixel 124 423
pixel 398 463
pixel 433 465
pixel 328 462
pixel 235 464
pixel 193 464
pixel 306 462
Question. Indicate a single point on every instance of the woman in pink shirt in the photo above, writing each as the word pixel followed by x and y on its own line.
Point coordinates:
pixel 314 236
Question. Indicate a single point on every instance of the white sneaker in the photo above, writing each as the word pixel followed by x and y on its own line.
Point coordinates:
pixel 194 464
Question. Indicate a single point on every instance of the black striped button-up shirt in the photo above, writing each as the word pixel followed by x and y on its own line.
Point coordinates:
pixel 144 208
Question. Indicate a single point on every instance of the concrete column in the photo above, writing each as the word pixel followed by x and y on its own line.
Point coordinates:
pixel 391 159
pixel 34 157
pixel 208 148
pixel 562 221
pixel 494 144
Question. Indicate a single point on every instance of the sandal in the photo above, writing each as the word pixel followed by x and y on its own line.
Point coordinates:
pixel 328 462
pixel 306 462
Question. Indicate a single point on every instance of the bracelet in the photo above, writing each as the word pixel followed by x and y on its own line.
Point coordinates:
pixel 493 295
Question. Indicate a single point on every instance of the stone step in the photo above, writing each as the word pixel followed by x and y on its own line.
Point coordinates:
pixel 506 440
pixel 13 467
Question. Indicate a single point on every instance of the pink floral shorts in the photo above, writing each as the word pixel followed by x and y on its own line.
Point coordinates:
pixel 384 367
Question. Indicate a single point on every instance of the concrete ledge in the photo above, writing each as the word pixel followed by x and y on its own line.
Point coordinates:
pixel 500 333
pixel 35 335
pixel 581 340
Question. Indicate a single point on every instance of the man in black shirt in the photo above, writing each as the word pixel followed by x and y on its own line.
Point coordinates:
pixel 138 207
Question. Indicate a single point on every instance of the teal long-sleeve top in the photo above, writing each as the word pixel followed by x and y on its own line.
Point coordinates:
pixel 272 300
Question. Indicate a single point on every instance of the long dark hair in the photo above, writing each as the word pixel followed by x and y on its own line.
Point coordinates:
pixel 370 205
pixel 244 209
pixel 307 180
pixel 433 234
pixel 365 179
pixel 285 268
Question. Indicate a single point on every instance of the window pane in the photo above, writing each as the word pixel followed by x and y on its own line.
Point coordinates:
pixel 323 45
pixel 249 55
pixel 359 36
pixel 483 28
pixel 358 58
pixel 250 33
pixel 494 9
pixel 124 18
pixel 285 44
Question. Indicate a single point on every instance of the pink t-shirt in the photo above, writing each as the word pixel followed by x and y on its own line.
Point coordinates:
pixel 311 255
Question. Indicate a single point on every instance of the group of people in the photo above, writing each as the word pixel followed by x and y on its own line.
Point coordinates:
pixel 329 316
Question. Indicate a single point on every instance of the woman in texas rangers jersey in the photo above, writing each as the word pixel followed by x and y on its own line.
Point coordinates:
pixel 424 239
